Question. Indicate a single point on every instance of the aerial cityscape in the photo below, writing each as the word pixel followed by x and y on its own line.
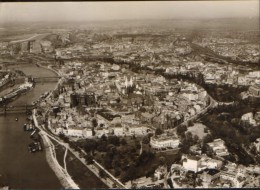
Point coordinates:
pixel 130 95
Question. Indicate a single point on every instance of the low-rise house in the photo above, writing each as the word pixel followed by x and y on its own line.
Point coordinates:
pixel 160 172
pixel 195 149
pixel 249 118
pixel 209 163
pixel 100 132
pixel 235 174
pixel 147 116
pixel 208 176
pixel 178 169
pixel 117 130
pixel 74 131
pixel 253 169
pixel 181 183
pixel 190 96
pixel 137 130
pixel 87 133
pixel 254 90
pixel 241 80
pixel 218 146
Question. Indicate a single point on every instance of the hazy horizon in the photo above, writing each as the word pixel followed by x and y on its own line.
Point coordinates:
pixel 109 11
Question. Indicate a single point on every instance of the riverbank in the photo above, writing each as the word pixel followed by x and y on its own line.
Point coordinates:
pixel 64 177
pixel 77 167
pixel 62 174
pixel 24 169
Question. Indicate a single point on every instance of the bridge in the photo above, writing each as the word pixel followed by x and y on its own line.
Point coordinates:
pixel 45 79
pixel 16 109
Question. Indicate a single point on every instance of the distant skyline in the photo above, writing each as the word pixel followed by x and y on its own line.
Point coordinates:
pixel 98 11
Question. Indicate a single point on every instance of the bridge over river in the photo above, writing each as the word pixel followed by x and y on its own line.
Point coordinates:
pixel 16 109
pixel 45 79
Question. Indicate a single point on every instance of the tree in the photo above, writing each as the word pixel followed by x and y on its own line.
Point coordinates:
pixel 123 141
pixel 204 148
pixel 208 138
pixel 195 139
pixel 253 150
pixel 150 171
pixel 181 130
pixel 188 137
pixel 117 171
pixel 146 140
pixel 185 146
pixel 145 157
pixel 190 123
pixel 90 145
pixel 162 160
pixel 93 131
pixel 130 174
pixel 138 145
pixel 94 123
pixel 101 146
pixel 102 173
pixel 104 137
pixel 206 130
pixel 107 161
pixel 114 140
pixel 89 159
pixel 158 131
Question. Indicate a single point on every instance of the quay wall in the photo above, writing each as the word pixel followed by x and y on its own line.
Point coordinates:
pixel 64 178
pixel 53 163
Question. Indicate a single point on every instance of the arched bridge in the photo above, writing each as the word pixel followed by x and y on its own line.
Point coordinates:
pixel 16 109
pixel 45 79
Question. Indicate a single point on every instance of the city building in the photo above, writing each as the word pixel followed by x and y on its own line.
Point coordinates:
pixel 218 147
pixel 257 144
pixel 254 90
pixel 191 163
pixel 163 142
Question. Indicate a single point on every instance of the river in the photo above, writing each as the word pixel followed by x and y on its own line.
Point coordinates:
pixel 22 168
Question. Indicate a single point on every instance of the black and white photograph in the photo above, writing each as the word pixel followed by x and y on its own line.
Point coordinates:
pixel 130 94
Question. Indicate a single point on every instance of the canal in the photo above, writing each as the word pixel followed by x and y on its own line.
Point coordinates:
pixel 22 168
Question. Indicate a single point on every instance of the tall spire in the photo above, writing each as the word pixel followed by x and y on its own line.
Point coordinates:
pixel 126 82
pixel 131 81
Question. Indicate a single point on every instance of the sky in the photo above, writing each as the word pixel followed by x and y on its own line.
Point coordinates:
pixel 89 11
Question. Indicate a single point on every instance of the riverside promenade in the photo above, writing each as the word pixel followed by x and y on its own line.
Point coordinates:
pixel 62 174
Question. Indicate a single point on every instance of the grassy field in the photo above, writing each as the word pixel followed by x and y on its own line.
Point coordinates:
pixel 198 129
pixel 60 151
pixel 81 174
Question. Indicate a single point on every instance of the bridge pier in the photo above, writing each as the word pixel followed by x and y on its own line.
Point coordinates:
pixel 5 110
